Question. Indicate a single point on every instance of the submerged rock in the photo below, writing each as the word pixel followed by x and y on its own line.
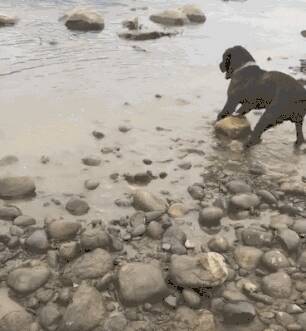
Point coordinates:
pixel 210 217
pixel 77 207
pixel 247 257
pixel 206 269
pixel 90 265
pixel 146 201
pixel 170 17
pixel 6 20
pixel 13 317
pixel 194 14
pixel 16 187
pixel 63 230
pixel 237 313
pixel 82 19
pixel 9 159
pixel 233 127
pixel 145 35
pixel 140 283
pixel 85 312
pixel 277 285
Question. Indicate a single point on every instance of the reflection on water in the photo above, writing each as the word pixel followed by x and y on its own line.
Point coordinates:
pixel 42 63
pixel 41 52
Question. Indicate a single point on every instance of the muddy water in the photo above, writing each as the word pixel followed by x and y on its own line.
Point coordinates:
pixel 58 86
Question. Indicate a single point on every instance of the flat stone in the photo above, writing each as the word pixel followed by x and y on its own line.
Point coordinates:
pixel 91 265
pixel 146 201
pixel 28 280
pixel 63 230
pixel 16 187
pixel 140 283
pixel 238 186
pixel 77 207
pixel 205 269
pixel 145 35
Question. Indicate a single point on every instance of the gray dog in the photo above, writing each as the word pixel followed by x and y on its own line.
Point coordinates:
pixel 283 97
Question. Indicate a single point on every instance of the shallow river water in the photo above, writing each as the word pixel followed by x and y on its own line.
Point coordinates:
pixel 57 86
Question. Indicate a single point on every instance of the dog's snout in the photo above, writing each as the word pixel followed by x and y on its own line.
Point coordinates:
pixel 221 65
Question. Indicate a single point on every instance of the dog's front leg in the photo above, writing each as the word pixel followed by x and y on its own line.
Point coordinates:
pixel 228 109
pixel 244 109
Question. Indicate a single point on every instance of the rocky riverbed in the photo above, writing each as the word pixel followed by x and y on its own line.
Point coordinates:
pixel 226 252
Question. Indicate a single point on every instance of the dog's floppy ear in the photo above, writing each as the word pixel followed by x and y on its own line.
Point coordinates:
pixel 233 58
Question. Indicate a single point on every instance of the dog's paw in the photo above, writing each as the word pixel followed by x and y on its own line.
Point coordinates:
pixel 221 117
pixel 251 142
pixel 299 142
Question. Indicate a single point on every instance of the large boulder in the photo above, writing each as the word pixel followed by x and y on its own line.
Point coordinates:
pixel 170 17
pixel 16 187
pixel 85 312
pixel 81 19
pixel 202 270
pixel 233 127
pixel 140 283
pixel 6 20
pixel 13 317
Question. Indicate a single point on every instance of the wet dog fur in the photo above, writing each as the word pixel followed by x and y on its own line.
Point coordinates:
pixel 283 97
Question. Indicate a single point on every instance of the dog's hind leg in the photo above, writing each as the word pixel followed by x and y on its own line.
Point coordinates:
pixel 270 118
pixel 299 133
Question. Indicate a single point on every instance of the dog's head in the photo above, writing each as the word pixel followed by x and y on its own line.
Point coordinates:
pixel 234 58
